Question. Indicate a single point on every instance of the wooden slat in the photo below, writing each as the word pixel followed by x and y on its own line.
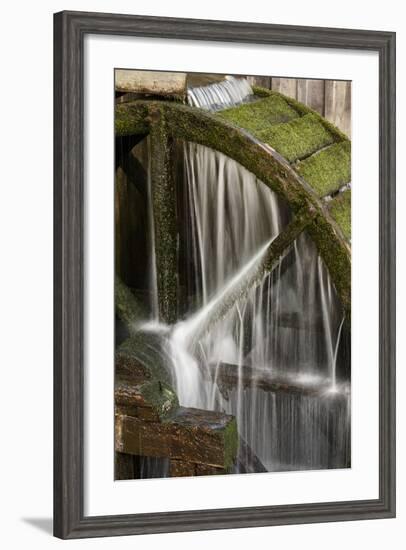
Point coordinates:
pixel 338 104
pixel 263 81
pixel 311 93
pixel 287 86
pixel 298 138
pixel 329 169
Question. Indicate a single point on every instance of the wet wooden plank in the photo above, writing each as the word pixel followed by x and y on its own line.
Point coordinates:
pixel 181 468
pixel 205 470
pixel 229 377
pixel 191 435
pixel 152 400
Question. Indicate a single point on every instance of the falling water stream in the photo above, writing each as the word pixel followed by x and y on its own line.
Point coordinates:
pixel 285 325
pixel 221 95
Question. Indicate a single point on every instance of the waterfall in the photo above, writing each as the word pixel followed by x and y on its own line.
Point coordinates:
pixel 221 95
pixel 286 327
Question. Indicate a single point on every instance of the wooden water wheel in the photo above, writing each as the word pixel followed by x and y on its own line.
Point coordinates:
pixel 292 149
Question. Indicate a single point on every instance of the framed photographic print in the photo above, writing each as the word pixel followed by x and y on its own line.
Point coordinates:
pixel 224 274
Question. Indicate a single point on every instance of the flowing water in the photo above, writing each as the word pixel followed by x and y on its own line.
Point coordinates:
pixel 221 95
pixel 285 325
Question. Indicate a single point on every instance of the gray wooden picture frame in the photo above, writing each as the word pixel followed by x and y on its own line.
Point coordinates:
pixel 70 29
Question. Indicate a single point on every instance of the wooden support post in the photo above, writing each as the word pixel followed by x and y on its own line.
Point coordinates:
pixel 164 209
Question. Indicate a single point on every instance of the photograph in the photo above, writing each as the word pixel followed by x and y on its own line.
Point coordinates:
pixel 232 293
pixel 201 235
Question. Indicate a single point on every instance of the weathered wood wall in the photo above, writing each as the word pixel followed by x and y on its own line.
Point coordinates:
pixel 330 98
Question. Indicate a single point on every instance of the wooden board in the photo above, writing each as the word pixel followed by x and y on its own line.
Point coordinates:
pixel 151 82
pixel 287 86
pixel 191 435
pixel 311 93
pixel 338 104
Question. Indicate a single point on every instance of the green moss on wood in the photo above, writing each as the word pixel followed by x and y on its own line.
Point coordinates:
pixel 130 119
pixel 260 91
pixel 327 170
pixel 298 138
pixel 143 357
pixel 340 210
pixel 230 444
pixel 259 115
pixel 336 258
pixel 302 110
pixel 127 307
pixel 194 125
pixel 165 222
pixel 160 397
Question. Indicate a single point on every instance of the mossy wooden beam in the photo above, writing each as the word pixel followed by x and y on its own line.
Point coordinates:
pixel 206 129
pixel 340 210
pixel 302 109
pixel 131 118
pixel 163 195
pixel 228 377
pixel 325 234
pixel 127 307
pixel 298 138
pixel 329 169
pixel 259 115
pixel 269 166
